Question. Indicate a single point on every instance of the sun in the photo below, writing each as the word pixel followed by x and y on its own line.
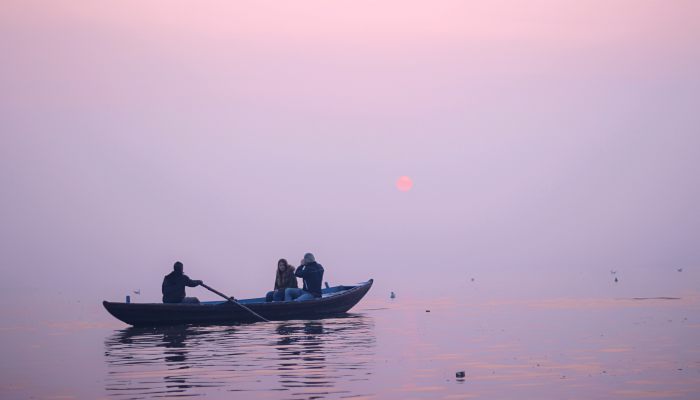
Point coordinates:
pixel 404 183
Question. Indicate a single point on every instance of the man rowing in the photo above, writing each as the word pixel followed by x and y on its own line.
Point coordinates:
pixel 174 286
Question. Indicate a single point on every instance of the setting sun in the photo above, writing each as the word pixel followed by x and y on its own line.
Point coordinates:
pixel 404 183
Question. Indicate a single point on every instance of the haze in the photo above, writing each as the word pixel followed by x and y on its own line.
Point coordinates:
pixel 549 142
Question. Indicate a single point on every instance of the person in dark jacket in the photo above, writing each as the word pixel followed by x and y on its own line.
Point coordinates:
pixel 174 286
pixel 285 279
pixel 312 274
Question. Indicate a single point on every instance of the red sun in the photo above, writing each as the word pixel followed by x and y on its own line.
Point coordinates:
pixel 404 183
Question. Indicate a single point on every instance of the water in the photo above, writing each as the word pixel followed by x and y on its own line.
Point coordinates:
pixel 295 360
pixel 550 349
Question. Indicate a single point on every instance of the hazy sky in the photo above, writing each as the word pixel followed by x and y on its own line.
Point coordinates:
pixel 548 142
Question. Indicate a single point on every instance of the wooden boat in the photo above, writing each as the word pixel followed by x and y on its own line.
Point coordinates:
pixel 335 300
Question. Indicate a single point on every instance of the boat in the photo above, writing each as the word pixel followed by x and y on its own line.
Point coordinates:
pixel 334 301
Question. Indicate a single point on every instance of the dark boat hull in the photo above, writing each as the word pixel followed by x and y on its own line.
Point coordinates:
pixel 221 313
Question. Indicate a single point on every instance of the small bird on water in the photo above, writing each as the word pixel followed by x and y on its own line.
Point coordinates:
pixel 392 295
pixel 615 279
pixel 137 291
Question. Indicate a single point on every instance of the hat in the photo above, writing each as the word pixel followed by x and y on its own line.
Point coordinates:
pixel 309 258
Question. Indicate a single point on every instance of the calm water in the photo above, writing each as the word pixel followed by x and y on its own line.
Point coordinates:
pixel 592 348
pixel 295 360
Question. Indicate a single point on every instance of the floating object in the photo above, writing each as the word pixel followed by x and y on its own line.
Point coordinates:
pixel 392 295
pixel 128 299
pixel 615 279
pixel 335 300
pixel 472 279
pixel 460 374
pixel 137 291
pixel 656 298
pixel 613 272
pixel 427 310
pixel 680 270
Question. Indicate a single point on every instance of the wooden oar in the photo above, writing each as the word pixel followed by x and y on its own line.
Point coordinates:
pixel 235 302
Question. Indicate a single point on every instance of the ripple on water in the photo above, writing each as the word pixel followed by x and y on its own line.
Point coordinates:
pixel 292 359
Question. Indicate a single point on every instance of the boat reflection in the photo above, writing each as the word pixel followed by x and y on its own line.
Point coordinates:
pixel 174 341
pixel 301 355
pixel 318 358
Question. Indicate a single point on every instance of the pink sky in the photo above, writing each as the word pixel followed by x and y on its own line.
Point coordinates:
pixel 548 142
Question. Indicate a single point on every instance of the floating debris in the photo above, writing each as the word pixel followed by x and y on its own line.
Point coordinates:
pixel 460 374
pixel 680 270
pixel 427 310
pixel 656 298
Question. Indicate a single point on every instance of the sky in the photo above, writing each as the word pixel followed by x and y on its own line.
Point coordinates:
pixel 549 142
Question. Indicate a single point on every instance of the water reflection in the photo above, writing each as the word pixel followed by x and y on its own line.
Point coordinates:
pixel 293 359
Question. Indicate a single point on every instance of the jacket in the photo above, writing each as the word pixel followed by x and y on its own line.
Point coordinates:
pixel 286 279
pixel 312 274
pixel 174 287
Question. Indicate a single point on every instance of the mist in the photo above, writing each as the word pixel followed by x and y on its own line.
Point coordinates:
pixel 548 146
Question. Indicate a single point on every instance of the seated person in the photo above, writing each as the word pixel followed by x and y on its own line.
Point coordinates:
pixel 174 286
pixel 285 279
pixel 312 274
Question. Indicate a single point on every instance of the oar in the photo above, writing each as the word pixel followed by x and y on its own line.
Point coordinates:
pixel 235 302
